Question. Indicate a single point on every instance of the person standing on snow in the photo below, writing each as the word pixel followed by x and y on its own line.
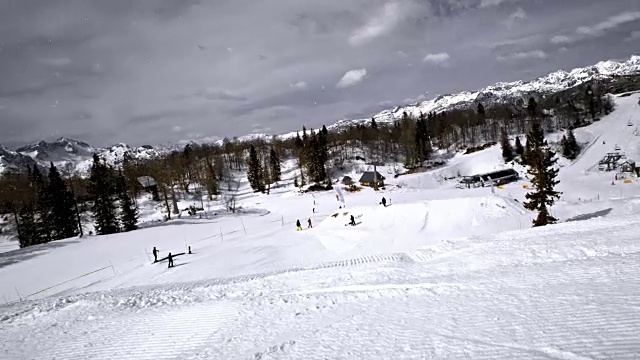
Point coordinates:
pixel 170 258
pixel 298 226
pixel 309 222
pixel 155 255
pixel 384 202
pixel 353 221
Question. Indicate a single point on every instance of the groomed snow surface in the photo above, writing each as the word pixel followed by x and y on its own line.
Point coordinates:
pixel 440 273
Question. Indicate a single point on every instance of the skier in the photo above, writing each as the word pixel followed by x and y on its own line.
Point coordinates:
pixel 155 255
pixel 309 222
pixel 353 221
pixel 384 202
pixel 337 197
pixel 170 258
pixel 298 226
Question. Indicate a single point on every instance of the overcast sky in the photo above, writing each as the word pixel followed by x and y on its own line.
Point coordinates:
pixel 150 72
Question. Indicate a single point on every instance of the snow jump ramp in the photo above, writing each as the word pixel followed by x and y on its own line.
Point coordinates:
pixel 406 226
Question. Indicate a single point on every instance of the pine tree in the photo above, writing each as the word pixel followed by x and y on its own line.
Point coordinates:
pixel 535 139
pixel 211 179
pixel 480 110
pixel 63 206
pixel 519 147
pixel 532 108
pixel 42 207
pixel 541 161
pixel 255 174
pixel 28 234
pixel 128 210
pixel 572 144
pixel 505 144
pixel 591 101
pixel 274 161
pixel 422 140
pixel 101 190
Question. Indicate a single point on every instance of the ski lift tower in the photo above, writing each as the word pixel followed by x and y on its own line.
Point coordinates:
pixel 375 172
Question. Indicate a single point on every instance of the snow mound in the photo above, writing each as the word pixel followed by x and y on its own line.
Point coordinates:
pixel 394 228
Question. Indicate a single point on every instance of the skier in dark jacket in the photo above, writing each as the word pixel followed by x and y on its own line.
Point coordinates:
pixel 170 258
pixel 353 221
pixel 309 222
pixel 155 255
pixel 298 226
pixel 384 202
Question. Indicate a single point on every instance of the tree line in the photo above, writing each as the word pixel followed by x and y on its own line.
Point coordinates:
pixel 45 206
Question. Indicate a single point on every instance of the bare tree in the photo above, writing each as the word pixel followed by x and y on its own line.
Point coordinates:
pixel 231 197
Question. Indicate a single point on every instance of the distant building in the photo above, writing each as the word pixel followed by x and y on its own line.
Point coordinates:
pixel 498 177
pixel 347 180
pixel 610 161
pixel 628 166
pixel 369 178
pixel 501 177
pixel 149 185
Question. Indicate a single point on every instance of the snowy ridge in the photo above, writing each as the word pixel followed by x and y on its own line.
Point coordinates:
pixel 75 156
pixel 499 92
pixel 502 91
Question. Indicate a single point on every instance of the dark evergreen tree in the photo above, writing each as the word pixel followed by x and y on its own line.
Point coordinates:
pixel 570 147
pixel 532 108
pixel 102 190
pixel 535 138
pixel 255 175
pixel 128 209
pixel 591 102
pixel 274 161
pixel 63 206
pixel 505 144
pixel 541 161
pixel 28 234
pixel 422 140
pixel 519 147
pixel 480 110
pixel 42 206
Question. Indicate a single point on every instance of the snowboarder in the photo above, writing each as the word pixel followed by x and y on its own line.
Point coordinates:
pixel 384 202
pixel 309 222
pixel 155 255
pixel 298 226
pixel 353 221
pixel 170 258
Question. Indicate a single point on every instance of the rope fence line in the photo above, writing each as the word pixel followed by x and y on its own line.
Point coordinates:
pixel 148 255
pixel 21 298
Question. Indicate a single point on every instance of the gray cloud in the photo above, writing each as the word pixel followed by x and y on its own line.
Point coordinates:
pixel 598 29
pixel 521 55
pixel 352 77
pixel 151 72
pixel 438 58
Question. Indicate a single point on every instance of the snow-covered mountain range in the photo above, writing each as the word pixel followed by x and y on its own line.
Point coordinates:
pixel 76 155
pixel 71 155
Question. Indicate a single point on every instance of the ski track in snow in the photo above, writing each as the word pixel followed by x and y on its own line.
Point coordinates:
pixel 531 297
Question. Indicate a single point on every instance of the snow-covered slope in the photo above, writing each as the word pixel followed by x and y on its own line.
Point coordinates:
pixel 440 273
